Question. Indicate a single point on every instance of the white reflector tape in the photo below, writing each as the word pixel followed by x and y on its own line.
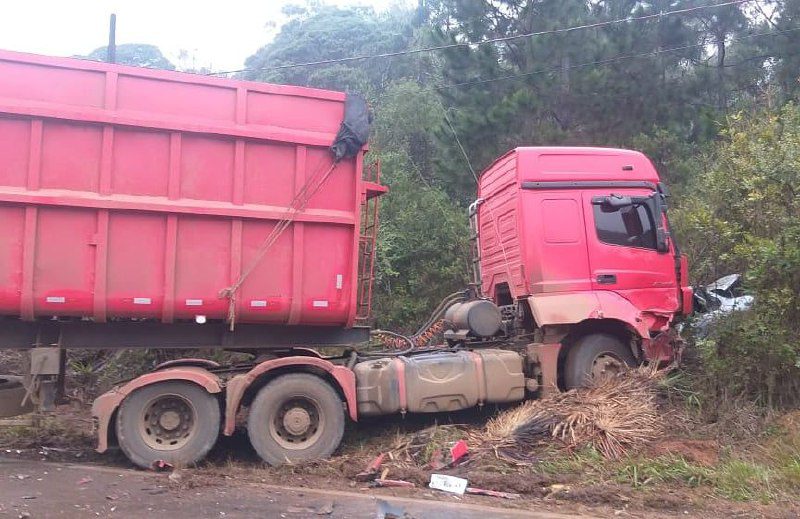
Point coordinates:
pixel 319 304
pixel 339 281
pixel 258 303
pixel 142 301
pixel 194 302
pixel 56 299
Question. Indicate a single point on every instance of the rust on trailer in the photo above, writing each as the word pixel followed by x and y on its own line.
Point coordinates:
pixel 105 405
pixel 237 386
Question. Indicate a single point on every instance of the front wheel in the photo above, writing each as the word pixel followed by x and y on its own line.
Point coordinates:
pixel 177 422
pixel 295 417
pixel 594 357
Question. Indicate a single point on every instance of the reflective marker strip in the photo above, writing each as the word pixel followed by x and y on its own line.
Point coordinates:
pixel 339 281
pixel 194 302
pixel 142 301
pixel 258 303
pixel 56 299
pixel 319 304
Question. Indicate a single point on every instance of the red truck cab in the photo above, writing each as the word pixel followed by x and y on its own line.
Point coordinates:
pixel 578 240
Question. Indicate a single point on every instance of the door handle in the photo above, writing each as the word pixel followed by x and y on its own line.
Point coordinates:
pixel 606 279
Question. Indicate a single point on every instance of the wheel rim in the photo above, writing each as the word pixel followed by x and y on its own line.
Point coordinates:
pixel 168 422
pixel 607 365
pixel 297 424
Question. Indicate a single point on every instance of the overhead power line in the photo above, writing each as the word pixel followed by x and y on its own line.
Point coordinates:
pixel 614 59
pixel 561 30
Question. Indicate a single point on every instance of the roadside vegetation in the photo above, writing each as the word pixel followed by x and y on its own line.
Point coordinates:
pixel 711 96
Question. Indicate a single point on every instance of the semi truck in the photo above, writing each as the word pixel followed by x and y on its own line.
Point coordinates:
pixel 163 210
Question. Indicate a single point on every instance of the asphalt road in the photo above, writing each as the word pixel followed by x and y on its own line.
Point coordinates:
pixel 36 489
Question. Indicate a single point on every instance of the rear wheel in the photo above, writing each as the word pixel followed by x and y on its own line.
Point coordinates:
pixel 294 418
pixel 595 356
pixel 177 422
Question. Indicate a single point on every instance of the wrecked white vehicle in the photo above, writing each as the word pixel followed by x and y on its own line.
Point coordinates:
pixel 723 296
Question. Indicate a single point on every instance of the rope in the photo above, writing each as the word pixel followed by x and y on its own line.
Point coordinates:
pixel 299 203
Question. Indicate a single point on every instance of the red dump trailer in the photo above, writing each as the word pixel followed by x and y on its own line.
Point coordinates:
pixel 153 209
pixel 141 195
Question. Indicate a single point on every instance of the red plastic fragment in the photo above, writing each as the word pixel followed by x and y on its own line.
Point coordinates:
pixel 458 451
pixel 371 472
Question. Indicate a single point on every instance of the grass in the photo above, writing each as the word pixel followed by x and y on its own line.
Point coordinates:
pixel 639 472
pixel 742 480
pixel 586 461
pixel 46 431
pixel 733 478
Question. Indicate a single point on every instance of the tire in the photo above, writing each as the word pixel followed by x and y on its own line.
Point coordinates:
pixel 12 392
pixel 147 430
pixel 598 347
pixel 295 417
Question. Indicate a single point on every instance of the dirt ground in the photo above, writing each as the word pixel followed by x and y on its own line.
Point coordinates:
pixel 234 483
pixel 34 488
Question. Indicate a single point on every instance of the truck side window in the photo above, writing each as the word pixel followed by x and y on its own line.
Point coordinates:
pixel 627 226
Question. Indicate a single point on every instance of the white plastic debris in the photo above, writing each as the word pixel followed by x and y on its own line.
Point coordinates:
pixel 448 483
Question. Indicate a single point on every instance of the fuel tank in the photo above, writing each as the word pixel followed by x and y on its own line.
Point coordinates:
pixel 438 382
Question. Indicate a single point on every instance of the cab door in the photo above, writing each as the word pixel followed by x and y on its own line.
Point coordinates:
pixel 623 241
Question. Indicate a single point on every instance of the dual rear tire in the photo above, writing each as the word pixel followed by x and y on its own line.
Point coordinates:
pixel 294 417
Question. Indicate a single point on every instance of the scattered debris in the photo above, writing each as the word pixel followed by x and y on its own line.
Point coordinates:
pixel 161 466
pixel 84 481
pixel 388 483
pixel 448 483
pixel 326 509
pixel 491 493
pixel 371 472
pixel 556 489
pixel 458 451
pixel 175 477
pixel 614 416
pixel 425 446
pixel 388 511
pixel 300 510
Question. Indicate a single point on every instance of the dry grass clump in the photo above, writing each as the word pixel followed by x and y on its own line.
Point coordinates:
pixel 613 416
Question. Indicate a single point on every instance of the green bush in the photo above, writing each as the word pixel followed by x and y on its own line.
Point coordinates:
pixel 744 216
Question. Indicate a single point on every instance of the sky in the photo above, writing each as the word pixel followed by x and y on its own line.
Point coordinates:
pixel 218 34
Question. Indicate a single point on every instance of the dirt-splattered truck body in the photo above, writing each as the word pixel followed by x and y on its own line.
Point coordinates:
pixel 153 209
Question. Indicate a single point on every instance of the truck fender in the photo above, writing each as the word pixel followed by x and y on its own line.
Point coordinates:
pixel 106 405
pixel 237 386
pixel 576 307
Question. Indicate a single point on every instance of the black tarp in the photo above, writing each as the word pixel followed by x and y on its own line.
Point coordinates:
pixel 354 132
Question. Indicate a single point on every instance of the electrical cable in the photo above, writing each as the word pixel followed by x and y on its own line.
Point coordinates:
pixel 603 62
pixel 500 39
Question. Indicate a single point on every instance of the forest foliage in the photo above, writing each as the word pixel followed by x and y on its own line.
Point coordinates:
pixel 708 94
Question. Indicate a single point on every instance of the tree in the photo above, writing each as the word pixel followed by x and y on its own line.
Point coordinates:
pixel 330 33
pixel 135 54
